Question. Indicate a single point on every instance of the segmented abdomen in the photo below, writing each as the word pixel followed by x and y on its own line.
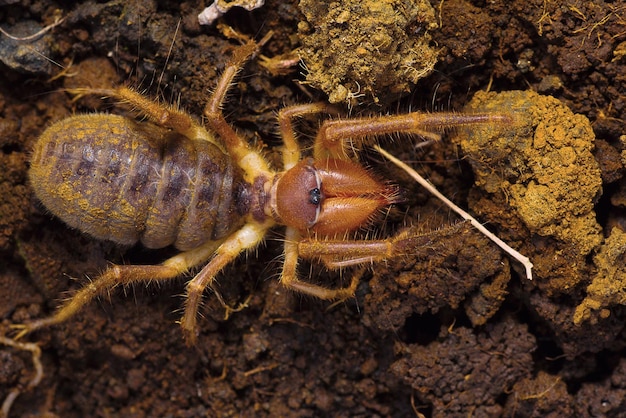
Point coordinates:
pixel 124 181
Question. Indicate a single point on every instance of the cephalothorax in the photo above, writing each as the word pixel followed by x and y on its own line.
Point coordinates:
pixel 207 192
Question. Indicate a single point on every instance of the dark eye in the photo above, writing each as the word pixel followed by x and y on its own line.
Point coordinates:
pixel 315 196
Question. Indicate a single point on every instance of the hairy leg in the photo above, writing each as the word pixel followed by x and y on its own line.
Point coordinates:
pixel 120 275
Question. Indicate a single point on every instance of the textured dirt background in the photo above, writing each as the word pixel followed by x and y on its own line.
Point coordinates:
pixel 454 331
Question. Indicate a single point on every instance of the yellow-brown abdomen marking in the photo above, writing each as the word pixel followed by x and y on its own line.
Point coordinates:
pixel 124 181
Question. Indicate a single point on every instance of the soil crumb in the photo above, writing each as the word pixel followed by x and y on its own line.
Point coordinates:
pixel 366 49
pixel 544 164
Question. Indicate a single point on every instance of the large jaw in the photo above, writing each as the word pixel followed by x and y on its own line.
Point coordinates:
pixel 328 198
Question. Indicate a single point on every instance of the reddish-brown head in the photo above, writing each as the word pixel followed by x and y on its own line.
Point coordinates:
pixel 328 198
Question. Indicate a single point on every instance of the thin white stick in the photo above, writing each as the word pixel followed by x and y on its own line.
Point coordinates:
pixel 15 392
pixel 426 184
pixel 56 23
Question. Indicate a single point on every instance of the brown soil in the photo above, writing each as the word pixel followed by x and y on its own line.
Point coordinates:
pixel 455 330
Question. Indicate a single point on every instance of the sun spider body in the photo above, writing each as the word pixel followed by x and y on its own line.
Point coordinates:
pixel 207 192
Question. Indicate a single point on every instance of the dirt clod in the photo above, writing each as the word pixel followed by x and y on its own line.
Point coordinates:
pixel 368 50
